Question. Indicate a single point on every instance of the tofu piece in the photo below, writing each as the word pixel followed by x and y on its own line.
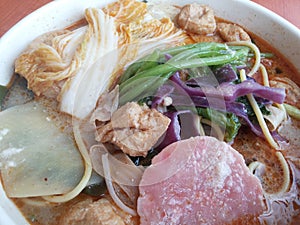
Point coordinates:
pixel 134 129
pixel 232 32
pixel 197 19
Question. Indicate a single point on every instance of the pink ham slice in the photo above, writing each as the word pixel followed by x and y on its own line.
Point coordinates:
pixel 198 181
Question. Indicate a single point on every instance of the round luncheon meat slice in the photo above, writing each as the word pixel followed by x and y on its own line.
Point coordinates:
pixel 198 181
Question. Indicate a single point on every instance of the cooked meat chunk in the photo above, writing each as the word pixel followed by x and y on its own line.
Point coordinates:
pixel 232 32
pixel 134 129
pixel 100 212
pixel 196 18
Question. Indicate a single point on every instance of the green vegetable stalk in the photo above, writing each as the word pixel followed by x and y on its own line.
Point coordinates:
pixel 146 73
pixel 292 111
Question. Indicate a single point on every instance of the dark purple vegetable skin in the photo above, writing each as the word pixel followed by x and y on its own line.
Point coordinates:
pixel 230 92
pixel 221 98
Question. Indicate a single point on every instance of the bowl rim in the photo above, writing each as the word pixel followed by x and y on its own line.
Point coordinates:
pixel 62 7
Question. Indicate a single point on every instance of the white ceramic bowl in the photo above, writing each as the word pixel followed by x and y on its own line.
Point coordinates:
pixel 282 35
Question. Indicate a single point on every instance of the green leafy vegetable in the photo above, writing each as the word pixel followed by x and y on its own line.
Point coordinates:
pixel 144 63
pixel 292 111
pixel 250 112
pixel 147 100
pixel 228 121
pixel 142 75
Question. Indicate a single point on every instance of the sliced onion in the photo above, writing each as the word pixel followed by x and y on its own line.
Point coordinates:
pixel 111 190
pixel 124 174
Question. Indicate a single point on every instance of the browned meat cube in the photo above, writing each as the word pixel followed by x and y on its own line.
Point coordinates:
pixel 134 129
pixel 232 32
pixel 196 18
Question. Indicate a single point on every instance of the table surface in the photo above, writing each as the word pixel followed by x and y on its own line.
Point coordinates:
pixel 11 11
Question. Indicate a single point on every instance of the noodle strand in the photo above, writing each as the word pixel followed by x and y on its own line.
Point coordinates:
pixel 259 115
pixel 87 173
pixel 286 173
pixel 217 129
pixel 256 51
pixel 201 129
